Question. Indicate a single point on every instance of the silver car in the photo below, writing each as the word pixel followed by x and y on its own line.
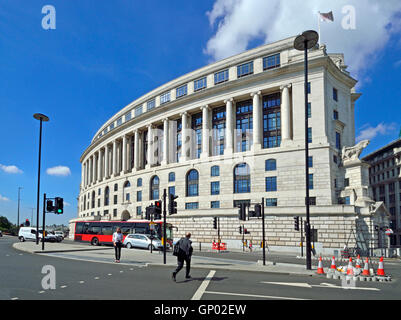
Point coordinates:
pixel 142 241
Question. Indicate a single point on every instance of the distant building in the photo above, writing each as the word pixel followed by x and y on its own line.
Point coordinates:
pixel 385 180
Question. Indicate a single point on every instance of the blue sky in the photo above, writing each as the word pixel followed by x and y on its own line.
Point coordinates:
pixel 105 54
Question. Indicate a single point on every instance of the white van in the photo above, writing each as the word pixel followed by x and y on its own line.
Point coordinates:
pixel 27 233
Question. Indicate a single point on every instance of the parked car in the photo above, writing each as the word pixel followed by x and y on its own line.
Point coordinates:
pixel 27 233
pixel 59 237
pixel 60 234
pixel 142 241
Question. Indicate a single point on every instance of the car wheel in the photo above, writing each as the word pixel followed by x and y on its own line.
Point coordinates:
pixel 151 246
pixel 21 239
pixel 95 242
pixel 129 245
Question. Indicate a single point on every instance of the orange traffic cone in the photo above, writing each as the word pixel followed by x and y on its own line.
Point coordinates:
pixel 350 269
pixel 365 271
pixel 380 269
pixel 333 264
pixel 358 262
pixel 320 267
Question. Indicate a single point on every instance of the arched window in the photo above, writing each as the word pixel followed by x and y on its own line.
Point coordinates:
pixel 270 165
pixel 242 178
pixel 215 171
pixel 192 183
pixel 84 202
pixel 106 196
pixel 171 177
pixel 154 188
pixel 116 187
pixel 126 194
pixel 93 199
pixel 139 182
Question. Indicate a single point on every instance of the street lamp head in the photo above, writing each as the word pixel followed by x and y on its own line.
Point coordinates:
pixel 306 40
pixel 39 116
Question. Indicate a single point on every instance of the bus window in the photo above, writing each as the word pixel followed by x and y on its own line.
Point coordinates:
pixel 85 228
pixel 79 227
pixel 107 230
pixel 125 230
pixel 95 230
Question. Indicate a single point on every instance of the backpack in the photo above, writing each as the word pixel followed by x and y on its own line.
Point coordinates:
pixel 176 249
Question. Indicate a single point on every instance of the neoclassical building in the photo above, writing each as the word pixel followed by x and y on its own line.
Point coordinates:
pixel 233 132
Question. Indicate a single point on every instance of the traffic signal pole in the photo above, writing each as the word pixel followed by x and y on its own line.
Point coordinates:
pixel 263 231
pixel 164 226
pixel 44 222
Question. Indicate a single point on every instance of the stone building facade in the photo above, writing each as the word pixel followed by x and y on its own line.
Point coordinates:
pixel 233 132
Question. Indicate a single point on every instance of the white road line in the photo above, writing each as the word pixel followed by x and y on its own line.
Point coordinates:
pixel 345 288
pixel 41 292
pixel 322 285
pixel 15 298
pixel 97 278
pixel 202 288
pixel 121 271
pixel 293 284
pixel 253 295
pixel 109 274
pixel 62 287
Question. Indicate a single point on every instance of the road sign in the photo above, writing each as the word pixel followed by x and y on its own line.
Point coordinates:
pixel 389 232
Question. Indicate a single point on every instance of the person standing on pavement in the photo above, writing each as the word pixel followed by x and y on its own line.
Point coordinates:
pixel 184 254
pixel 117 243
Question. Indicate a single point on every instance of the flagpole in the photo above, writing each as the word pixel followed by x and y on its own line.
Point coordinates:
pixel 318 25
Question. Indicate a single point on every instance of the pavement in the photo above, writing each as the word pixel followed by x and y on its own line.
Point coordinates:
pixel 143 258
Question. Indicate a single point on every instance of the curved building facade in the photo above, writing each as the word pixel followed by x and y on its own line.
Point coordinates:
pixel 228 133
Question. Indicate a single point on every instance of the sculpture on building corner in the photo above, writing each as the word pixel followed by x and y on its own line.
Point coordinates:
pixel 353 153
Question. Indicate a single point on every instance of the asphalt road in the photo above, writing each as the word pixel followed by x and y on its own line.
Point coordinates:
pixel 21 277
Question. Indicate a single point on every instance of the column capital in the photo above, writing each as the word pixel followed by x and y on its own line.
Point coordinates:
pixel 185 113
pixel 256 93
pixel 285 86
pixel 205 107
pixel 228 100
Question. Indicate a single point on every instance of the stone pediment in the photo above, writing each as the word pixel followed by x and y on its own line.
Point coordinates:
pixel 378 209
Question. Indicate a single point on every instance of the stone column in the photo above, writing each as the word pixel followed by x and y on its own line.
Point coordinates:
pixel 136 151
pixel 257 121
pixel 84 174
pixel 165 141
pixel 205 132
pixel 229 148
pixel 90 170
pixel 114 160
pixel 184 133
pixel 124 154
pixel 106 162
pixel 94 168
pixel 150 146
pixel 286 126
pixel 99 166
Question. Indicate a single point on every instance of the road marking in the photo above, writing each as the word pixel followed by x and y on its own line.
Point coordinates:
pixel 109 274
pixel 81 281
pixel 202 288
pixel 41 292
pixel 294 284
pixel 15 298
pixel 97 278
pixel 253 295
pixel 322 285
pixel 131 269
pixel 121 271
pixel 62 287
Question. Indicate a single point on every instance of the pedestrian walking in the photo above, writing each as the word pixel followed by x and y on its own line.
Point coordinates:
pixel 250 246
pixel 117 243
pixel 184 254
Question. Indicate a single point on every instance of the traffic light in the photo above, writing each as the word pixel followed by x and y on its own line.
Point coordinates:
pixel 58 205
pixel 49 206
pixel 296 223
pixel 172 204
pixel 147 213
pixel 157 213
pixel 240 230
pixel 241 212
pixel 258 210
pixel 215 223
pixel 27 223
pixel 246 231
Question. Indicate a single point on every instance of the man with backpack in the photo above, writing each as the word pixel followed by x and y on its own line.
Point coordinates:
pixel 183 250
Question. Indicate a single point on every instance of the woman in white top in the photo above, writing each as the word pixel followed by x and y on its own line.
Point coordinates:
pixel 118 243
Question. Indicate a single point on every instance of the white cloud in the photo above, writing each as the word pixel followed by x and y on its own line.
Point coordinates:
pixel 368 132
pixel 239 22
pixel 10 169
pixel 60 171
pixel 3 198
pixel 67 204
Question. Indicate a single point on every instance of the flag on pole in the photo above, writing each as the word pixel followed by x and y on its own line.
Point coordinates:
pixel 326 16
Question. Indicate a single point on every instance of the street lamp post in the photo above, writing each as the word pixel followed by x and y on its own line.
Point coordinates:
pixel 304 42
pixel 41 118
pixel 19 188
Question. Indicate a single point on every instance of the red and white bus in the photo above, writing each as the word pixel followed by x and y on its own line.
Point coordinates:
pixel 101 232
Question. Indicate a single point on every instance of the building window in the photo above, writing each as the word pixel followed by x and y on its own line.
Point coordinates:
pixel 311 181
pixel 106 196
pixel 335 159
pixel 242 178
pixel 181 91
pixel 309 88
pixel 115 187
pixel 271 202
pixel 271 184
pixel 244 126
pixel 215 171
pixel 139 182
pixel 138 111
pixel 93 199
pixel 138 211
pixel 335 94
pixel 192 205
pixel 215 188
pixel 312 201
pixel 115 199
pixel 309 110
pixel 111 126
pixel 165 97
pixel 309 135
pixel 237 203
pixel 200 84
pixel 192 183
pixel 197 134
pixel 114 212
pixel 151 104
pixel 215 204
pixel 219 127
pixel 310 162
pixel 171 190
pixel 271 62
pixel 338 140
pixel 245 69
pixel 126 194
pixel 220 77
pixel 127 116
pixel 119 121
pixel 171 177
pixel 139 196
pixel 154 188
pixel 272 121
pixel 270 165
pixel 335 114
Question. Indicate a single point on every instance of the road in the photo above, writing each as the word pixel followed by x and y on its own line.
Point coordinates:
pixel 21 279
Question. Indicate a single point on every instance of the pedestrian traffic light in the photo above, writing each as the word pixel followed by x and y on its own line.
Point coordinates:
pixel 49 206
pixel 58 205
pixel 172 204
pixel 215 223
pixel 296 223
pixel 157 212
pixel 240 230
pixel 241 212
pixel 258 210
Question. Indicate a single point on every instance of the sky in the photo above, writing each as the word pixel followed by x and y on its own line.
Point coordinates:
pixel 101 55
